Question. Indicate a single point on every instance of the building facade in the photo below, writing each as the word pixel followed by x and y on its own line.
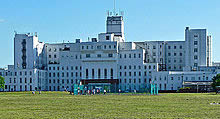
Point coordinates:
pixel 134 65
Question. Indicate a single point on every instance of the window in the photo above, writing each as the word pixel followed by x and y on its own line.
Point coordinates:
pixel 99 55
pixel 181 54
pixel 154 47
pixel 195 36
pixel 171 78
pixel 99 73
pixel 112 73
pixel 195 50
pixel 107 38
pixel 87 73
pixel 99 47
pixel 93 73
pixel 110 46
pixel 169 54
pixel 195 42
pixel 87 55
pixel 174 47
pixel 181 47
pixel 195 64
pixel 110 55
pixel 195 57
pixel 169 47
pixel 55 56
pixel 105 73
pixel 139 67
pixel 174 54
pixel 49 56
pixel 139 73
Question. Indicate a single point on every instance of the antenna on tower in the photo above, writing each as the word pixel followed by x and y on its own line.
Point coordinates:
pixel 114 8
pixel 108 13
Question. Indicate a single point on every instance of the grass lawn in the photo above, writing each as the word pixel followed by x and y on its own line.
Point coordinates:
pixel 62 105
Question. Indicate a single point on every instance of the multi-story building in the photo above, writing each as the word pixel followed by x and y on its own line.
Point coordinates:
pixel 108 60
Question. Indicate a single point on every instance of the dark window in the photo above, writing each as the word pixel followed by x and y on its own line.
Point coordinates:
pixel 87 73
pixel 107 38
pixel 99 73
pixel 110 55
pixel 105 73
pixel 112 73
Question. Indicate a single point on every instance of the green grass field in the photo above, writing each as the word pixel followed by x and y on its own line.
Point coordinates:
pixel 62 105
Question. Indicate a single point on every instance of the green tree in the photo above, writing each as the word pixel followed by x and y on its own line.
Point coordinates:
pixel 2 82
pixel 216 81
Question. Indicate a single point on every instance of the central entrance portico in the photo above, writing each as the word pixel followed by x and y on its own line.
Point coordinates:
pixel 110 85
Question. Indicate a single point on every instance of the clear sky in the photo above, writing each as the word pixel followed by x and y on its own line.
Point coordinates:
pixel 58 20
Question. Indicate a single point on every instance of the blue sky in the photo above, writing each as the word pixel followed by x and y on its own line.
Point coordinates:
pixel 58 20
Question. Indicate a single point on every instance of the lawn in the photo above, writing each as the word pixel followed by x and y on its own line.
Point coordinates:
pixel 62 105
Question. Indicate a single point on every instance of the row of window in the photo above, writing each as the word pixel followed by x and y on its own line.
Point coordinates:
pixel 99 73
pixel 62 81
pixel 76 56
pixel 180 61
pixel 13 88
pixel 130 56
pixel 54 50
pixel 181 78
pixel 175 54
pixel 99 47
pixel 98 55
pixel 134 73
pixel 63 74
pixel 55 56
pixel 175 47
pixel 18 73
pixel 132 81
pixel 66 68
pixel 21 80
pixel 175 67
pixel 135 67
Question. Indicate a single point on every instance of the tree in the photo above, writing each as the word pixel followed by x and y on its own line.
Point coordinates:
pixel 216 81
pixel 2 82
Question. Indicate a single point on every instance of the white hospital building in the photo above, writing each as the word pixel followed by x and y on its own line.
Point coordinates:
pixel 109 59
